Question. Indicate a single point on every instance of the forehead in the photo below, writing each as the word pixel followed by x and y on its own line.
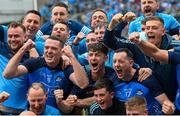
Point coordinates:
pixel 120 55
pixel 90 35
pixel 135 111
pixel 99 29
pixel 32 16
pixel 17 30
pixel 154 23
pixel 50 42
pixel 95 52
pixel 59 9
pixel 99 91
pixel 60 25
pixel 36 92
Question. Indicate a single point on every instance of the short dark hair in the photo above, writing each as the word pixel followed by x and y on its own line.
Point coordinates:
pixel 155 18
pixel 37 86
pixel 61 4
pixel 127 51
pixel 104 83
pixel 98 47
pixel 92 31
pixel 33 12
pixel 17 24
pixel 57 39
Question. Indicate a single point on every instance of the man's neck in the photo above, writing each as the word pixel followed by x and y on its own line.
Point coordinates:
pixel 98 75
pixel 130 76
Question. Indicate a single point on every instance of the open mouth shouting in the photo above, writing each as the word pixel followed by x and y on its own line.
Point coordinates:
pixel 102 104
pixel 94 67
pixel 119 72
pixel 148 11
pixel 151 36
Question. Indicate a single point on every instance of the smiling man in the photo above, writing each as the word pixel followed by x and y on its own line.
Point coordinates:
pixel 32 23
pixel 15 87
pixel 48 69
pixel 105 103
pixel 59 29
pixel 37 97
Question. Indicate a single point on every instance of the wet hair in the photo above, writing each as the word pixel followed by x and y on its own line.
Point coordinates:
pixel 17 24
pixel 104 83
pixel 154 18
pixel 127 51
pixel 60 40
pixel 61 4
pixel 100 25
pixel 137 102
pixel 37 86
pixel 98 47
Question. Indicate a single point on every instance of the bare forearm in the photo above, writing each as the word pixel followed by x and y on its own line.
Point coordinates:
pixel 162 98
pixel 80 74
pixel 148 48
pixel 167 106
pixel 65 108
pixel 86 102
pixel 12 65
pixel 153 51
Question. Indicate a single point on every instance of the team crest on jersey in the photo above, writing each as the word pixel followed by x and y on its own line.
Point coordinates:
pixel 139 92
pixel 58 79
pixel 48 79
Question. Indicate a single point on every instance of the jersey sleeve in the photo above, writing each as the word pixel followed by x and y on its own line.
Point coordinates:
pixel 32 64
pixel 132 28
pixel 153 85
pixel 3 33
pixel 68 71
pixel 174 56
pixel 174 29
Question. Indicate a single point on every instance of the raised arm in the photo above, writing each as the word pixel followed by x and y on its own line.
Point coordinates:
pixel 112 37
pixel 13 68
pixel 86 102
pixel 79 76
pixel 149 49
